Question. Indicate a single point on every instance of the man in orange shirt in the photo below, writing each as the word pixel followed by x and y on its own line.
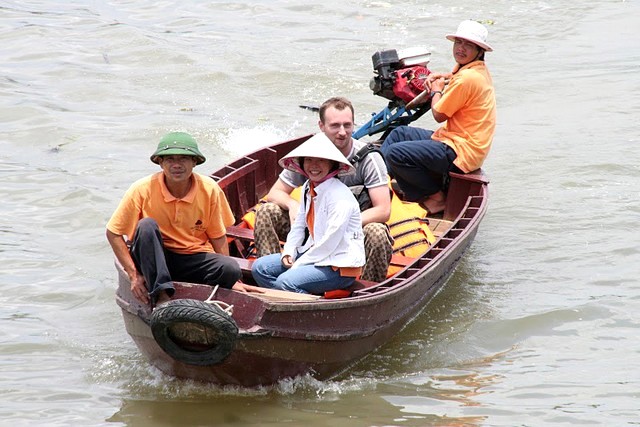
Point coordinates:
pixel 172 226
pixel 420 159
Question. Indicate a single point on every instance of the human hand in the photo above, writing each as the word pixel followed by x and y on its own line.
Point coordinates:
pixel 437 85
pixel 243 287
pixel 287 261
pixel 437 81
pixel 139 289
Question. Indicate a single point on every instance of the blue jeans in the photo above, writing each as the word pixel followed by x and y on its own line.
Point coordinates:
pixel 418 163
pixel 307 279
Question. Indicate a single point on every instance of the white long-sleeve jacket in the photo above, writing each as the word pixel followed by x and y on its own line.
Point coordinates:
pixel 339 240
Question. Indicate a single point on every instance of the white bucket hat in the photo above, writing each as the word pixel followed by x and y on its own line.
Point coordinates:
pixel 320 147
pixel 472 31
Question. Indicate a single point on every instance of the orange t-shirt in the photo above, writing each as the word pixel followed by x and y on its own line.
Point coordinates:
pixel 186 224
pixel 470 103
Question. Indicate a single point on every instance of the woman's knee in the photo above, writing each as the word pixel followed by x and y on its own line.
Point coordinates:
pixel 264 269
pixel 258 268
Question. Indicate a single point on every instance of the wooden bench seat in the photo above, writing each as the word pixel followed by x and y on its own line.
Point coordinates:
pixel 245 264
pixel 240 232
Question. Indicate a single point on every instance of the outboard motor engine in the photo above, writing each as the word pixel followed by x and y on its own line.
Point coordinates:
pixel 400 76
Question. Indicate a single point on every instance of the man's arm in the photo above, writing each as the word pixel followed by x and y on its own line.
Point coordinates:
pixel 220 245
pixel 438 116
pixel 280 194
pixel 381 209
pixel 373 172
pixel 121 251
pixel 437 82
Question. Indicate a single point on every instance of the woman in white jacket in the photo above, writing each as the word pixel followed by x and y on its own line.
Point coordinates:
pixel 324 250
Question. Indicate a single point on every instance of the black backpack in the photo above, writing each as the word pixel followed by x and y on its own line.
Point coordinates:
pixel 360 192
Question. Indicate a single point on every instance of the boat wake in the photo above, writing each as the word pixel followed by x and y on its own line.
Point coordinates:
pixel 242 141
pixel 143 380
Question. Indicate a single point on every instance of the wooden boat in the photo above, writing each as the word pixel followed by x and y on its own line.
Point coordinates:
pixel 281 335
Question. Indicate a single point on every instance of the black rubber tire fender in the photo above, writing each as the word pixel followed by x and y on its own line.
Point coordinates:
pixel 194 332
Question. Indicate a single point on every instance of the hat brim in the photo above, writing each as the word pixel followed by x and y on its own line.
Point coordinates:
pixel 318 146
pixel 177 151
pixel 453 37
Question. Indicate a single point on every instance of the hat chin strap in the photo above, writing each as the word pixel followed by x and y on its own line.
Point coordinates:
pixel 293 165
pixel 328 176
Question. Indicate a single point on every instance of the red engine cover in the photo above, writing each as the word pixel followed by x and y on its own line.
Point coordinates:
pixel 409 82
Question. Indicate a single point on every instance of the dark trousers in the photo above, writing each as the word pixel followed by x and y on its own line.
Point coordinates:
pixel 160 266
pixel 418 163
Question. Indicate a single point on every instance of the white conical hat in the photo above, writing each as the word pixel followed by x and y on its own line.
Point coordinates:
pixel 472 31
pixel 320 147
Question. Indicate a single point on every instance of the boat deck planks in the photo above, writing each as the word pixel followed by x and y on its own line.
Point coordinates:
pixel 439 226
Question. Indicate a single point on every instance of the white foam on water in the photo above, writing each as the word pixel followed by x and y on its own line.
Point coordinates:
pixel 247 140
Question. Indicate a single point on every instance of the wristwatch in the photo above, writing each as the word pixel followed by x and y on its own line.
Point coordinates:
pixel 436 91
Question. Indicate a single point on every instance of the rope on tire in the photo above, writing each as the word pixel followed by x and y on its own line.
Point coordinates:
pixel 227 308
